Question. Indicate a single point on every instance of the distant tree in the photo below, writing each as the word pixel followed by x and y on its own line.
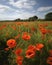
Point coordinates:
pixel 30 19
pixel 18 19
pixel 48 16
pixel 33 18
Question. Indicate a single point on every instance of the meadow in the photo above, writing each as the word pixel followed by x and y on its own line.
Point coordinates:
pixel 26 43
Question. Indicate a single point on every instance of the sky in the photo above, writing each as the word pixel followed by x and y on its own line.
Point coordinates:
pixel 13 9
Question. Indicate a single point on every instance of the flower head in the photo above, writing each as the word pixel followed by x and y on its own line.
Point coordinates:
pixel 19 60
pixel 43 30
pixel 11 43
pixel 50 52
pixel 26 36
pixel 18 51
pixel 32 47
pixel 30 54
pixel 49 60
pixel 6 49
pixel 39 46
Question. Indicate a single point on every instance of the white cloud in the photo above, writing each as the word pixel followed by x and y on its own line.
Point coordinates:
pixel 17 14
pixel 25 15
pixel 44 8
pixel 8 13
pixel 22 3
pixel 3 8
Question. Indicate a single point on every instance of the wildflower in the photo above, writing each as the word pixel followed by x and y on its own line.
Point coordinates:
pixel 46 24
pixel 11 43
pixel 33 29
pixel 43 30
pixel 49 60
pixel 40 25
pixel 18 51
pixel 39 46
pixel 6 49
pixel 4 26
pixel 30 53
pixel 26 37
pixel 50 52
pixel 49 31
pixel 31 47
pixel 19 60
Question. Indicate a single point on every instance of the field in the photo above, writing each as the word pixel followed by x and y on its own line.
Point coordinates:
pixel 26 43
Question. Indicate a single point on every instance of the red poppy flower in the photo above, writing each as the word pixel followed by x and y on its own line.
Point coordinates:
pixel 11 43
pixel 50 52
pixel 30 54
pixel 39 46
pixel 49 60
pixel 18 51
pixel 33 29
pixel 49 31
pixel 31 47
pixel 26 37
pixel 19 60
pixel 6 49
pixel 40 25
pixel 43 30
pixel 46 24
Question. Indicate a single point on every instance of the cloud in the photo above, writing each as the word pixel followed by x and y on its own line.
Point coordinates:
pixel 44 8
pixel 3 8
pixel 22 3
pixel 6 12
pixel 10 13
pixel 25 15
pixel 16 14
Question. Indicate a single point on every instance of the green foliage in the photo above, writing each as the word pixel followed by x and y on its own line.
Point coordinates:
pixel 48 16
pixel 33 18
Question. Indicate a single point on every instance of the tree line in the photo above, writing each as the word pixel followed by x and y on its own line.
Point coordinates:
pixel 48 17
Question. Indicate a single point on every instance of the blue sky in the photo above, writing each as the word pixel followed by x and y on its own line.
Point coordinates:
pixel 12 9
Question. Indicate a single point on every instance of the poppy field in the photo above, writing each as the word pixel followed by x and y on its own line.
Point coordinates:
pixel 25 43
